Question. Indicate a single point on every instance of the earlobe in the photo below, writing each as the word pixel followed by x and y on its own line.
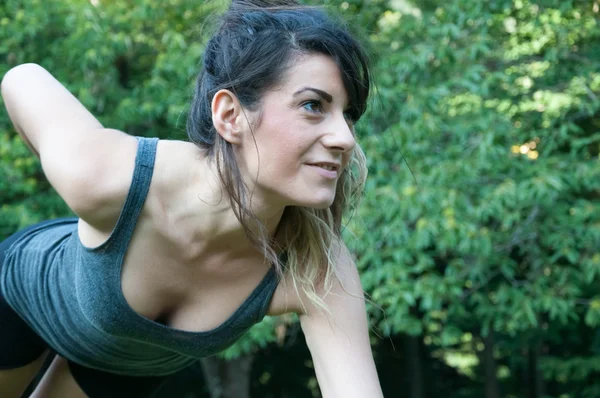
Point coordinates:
pixel 226 110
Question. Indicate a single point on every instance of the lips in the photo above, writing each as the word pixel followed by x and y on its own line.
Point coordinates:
pixel 328 171
pixel 327 166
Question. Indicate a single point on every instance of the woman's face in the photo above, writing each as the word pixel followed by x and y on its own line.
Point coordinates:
pixel 302 133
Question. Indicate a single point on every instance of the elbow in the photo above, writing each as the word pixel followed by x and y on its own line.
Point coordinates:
pixel 16 76
pixel 13 85
pixel 17 73
pixel 22 67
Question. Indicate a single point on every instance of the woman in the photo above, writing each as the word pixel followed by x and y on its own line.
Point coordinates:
pixel 180 247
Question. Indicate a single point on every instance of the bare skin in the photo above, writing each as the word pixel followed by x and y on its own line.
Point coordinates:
pixel 13 382
pixel 172 272
pixel 189 264
pixel 236 276
pixel 58 382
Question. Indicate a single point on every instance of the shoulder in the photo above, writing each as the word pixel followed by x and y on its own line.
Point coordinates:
pixel 91 175
pixel 101 186
pixel 346 281
pixel 173 167
pixel 345 286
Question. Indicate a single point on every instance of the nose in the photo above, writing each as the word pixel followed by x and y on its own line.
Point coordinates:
pixel 341 136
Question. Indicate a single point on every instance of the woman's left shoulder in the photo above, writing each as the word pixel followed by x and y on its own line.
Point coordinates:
pixel 174 167
pixel 288 299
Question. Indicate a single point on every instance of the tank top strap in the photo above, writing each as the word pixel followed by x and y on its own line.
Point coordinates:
pixel 269 285
pixel 138 191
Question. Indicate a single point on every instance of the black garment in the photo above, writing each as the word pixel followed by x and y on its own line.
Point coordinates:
pixel 19 346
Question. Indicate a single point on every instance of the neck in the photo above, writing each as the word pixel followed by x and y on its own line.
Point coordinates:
pixel 218 225
pixel 227 226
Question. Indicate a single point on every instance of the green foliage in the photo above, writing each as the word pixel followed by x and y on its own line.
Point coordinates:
pixel 258 337
pixel 481 212
pixel 495 224
pixel 132 64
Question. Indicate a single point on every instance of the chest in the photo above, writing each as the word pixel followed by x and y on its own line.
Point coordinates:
pixel 159 286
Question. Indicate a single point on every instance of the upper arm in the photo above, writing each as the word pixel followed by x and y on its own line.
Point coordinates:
pixel 89 166
pixel 339 342
pixel 92 174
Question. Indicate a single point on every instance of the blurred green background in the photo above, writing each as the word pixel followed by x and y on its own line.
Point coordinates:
pixel 478 237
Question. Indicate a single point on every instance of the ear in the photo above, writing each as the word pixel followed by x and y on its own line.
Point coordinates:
pixel 227 116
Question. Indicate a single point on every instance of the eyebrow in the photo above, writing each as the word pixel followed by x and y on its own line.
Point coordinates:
pixel 326 96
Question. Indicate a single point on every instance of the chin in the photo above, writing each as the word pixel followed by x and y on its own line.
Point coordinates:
pixel 315 199
pixel 318 204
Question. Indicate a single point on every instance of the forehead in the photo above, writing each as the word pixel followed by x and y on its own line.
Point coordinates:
pixel 316 71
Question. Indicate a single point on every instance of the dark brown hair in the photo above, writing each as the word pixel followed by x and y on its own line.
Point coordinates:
pixel 250 52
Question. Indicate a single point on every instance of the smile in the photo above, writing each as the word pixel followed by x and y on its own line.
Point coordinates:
pixel 325 166
pixel 327 171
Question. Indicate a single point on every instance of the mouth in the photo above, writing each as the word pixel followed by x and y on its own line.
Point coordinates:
pixel 330 166
pixel 326 170
pixel 326 166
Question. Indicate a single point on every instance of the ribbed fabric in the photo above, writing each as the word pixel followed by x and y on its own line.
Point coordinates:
pixel 71 295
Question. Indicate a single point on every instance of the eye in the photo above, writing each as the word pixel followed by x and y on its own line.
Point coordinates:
pixel 313 106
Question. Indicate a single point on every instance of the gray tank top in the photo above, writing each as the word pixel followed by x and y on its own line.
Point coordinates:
pixel 71 295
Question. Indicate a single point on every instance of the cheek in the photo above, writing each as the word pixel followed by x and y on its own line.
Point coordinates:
pixel 283 148
pixel 282 157
pixel 283 142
